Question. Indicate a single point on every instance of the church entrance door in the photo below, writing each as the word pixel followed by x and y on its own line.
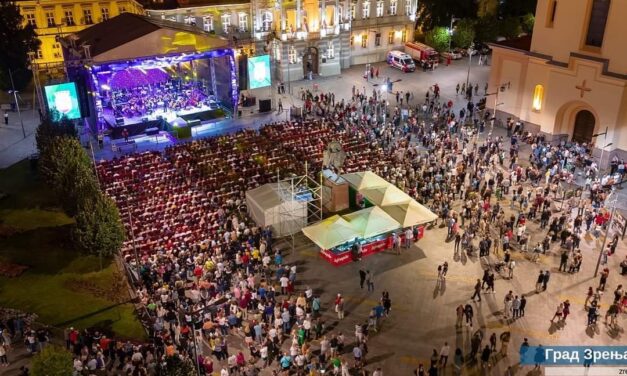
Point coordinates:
pixel 584 126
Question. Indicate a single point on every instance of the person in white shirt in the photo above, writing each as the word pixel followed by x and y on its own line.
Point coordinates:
pixel 444 353
pixel 284 282
pixel 263 353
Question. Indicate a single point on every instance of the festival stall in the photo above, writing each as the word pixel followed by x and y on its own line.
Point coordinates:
pixel 369 230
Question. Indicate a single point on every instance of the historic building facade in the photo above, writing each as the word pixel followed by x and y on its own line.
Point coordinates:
pixel 53 19
pixel 302 36
pixel 569 80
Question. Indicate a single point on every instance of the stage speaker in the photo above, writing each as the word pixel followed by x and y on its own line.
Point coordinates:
pixel 265 105
pixel 145 119
pixel 84 97
pixel 119 121
pixel 242 69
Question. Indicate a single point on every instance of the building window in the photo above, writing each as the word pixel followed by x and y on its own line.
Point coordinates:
pixel 226 22
pixel 538 96
pixel 379 8
pixel 408 7
pixel 393 7
pixel 365 11
pixel 50 19
pixel 30 19
pixel 339 14
pixel 190 20
pixel 243 22
pixel 105 13
pixel 87 18
pixel 551 15
pixel 266 21
pixel 377 39
pixel 598 20
pixel 331 50
pixel 69 17
pixel 364 41
pixel 352 40
pixel 404 36
pixel 39 54
pixel 353 10
pixel 291 56
pixel 391 37
pixel 207 23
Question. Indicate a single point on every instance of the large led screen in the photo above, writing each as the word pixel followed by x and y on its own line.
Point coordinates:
pixel 259 72
pixel 63 101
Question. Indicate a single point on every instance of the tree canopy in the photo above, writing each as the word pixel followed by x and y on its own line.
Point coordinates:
pixel 438 38
pixel 432 13
pixel 52 361
pixel 464 33
pixel 16 41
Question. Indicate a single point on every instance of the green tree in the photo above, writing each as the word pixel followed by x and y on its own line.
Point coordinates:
pixel 433 13
pixel 52 361
pixel 528 20
pixel 48 130
pixel 487 8
pixel 68 169
pixel 98 228
pixel 16 41
pixel 486 30
pixel 510 27
pixel 464 33
pixel 438 38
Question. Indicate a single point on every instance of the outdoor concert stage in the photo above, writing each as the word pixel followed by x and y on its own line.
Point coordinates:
pixel 142 75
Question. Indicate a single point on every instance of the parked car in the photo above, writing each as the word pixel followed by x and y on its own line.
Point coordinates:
pixel 453 55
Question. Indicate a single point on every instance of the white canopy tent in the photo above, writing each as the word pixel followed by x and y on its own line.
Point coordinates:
pixel 365 180
pixel 268 205
pixel 410 214
pixel 331 232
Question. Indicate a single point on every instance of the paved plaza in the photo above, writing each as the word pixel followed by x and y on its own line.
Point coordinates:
pixel 423 311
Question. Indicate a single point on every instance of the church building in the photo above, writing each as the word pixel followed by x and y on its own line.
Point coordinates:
pixel 569 79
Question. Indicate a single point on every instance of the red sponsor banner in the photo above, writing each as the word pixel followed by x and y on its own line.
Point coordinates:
pixel 368 249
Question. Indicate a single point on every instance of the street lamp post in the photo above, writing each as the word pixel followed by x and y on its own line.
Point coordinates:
pixel 17 103
pixel 607 231
pixel 450 32
pixel 604 134
pixel 470 52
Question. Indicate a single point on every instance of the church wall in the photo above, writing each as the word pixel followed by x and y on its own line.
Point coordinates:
pixel 507 67
pixel 568 31
pixel 614 39
pixel 564 35
pixel 620 136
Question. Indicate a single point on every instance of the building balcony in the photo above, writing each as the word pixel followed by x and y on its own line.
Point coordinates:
pixel 359 23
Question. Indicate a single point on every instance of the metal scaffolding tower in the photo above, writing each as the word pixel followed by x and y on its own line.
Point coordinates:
pixel 294 190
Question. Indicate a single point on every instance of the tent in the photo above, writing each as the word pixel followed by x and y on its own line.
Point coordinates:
pixel 331 232
pixel 131 36
pixel 365 180
pixel 384 196
pixel 410 214
pixel 371 222
pixel 268 207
